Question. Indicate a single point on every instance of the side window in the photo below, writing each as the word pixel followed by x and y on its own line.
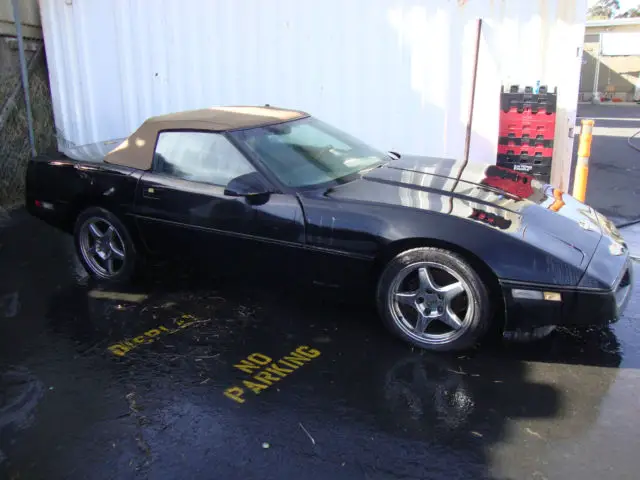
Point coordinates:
pixel 199 157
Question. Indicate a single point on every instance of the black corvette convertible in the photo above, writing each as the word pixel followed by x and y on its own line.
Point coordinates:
pixel 447 250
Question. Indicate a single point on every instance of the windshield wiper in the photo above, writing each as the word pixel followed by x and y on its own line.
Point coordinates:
pixel 368 169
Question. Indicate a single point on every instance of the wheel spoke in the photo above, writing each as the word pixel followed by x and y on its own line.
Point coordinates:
pixel 110 266
pixel 423 322
pixel 434 299
pixel 109 232
pixel 426 282
pixel 95 231
pixel 406 298
pixel 118 252
pixel 450 318
pixel 452 291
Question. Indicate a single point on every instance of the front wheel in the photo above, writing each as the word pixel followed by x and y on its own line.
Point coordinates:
pixel 104 246
pixel 434 299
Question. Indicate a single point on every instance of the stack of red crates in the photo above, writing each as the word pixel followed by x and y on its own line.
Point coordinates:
pixel 527 126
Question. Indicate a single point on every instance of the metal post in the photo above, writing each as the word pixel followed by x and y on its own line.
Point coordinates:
pixel 24 74
pixel 467 138
pixel 596 79
pixel 582 167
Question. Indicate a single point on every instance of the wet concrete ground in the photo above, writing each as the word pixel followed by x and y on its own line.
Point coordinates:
pixel 614 167
pixel 131 383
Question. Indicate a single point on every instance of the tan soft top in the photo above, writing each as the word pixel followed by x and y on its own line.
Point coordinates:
pixel 137 150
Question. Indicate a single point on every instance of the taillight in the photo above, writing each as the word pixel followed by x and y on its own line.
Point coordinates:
pixel 45 205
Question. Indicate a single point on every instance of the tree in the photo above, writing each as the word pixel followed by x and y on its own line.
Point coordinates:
pixel 604 9
pixel 632 12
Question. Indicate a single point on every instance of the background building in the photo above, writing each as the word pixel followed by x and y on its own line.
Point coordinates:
pixel 614 45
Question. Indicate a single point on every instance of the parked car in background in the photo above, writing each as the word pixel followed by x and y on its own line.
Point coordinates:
pixel 447 249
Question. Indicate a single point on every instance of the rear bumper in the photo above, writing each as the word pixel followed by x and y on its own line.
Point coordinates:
pixel 58 216
pixel 578 306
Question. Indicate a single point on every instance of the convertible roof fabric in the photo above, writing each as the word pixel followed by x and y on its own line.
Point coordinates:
pixel 137 150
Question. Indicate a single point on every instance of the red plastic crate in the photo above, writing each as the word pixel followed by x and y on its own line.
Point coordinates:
pixel 509 160
pixel 515 113
pixel 526 99
pixel 527 130
pixel 516 124
pixel 526 141
pixel 530 150
pixel 517 119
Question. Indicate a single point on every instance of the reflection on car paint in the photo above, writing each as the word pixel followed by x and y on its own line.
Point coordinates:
pixel 490 218
pixel 491 208
pixel 515 183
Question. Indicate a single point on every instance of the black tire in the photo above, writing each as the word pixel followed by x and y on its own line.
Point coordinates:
pixel 475 298
pixel 128 265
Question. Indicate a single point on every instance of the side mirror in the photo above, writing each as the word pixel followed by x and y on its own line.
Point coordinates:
pixel 247 185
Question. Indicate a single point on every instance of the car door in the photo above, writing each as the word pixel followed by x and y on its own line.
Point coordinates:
pixel 182 210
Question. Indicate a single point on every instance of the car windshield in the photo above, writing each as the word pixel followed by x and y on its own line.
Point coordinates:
pixel 308 152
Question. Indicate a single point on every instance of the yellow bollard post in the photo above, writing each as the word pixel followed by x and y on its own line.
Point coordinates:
pixel 582 167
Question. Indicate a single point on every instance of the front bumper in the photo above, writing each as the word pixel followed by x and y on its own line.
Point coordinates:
pixel 599 298
pixel 579 306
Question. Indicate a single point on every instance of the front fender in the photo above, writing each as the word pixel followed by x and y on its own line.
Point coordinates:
pixel 517 252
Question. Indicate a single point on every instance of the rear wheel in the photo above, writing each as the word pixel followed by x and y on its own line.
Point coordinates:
pixel 434 299
pixel 104 246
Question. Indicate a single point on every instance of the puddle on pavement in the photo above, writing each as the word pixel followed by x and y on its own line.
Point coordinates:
pixel 20 392
pixel 227 339
pixel 631 235
pixel 9 305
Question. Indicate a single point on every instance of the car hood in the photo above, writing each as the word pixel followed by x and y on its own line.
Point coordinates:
pixel 502 199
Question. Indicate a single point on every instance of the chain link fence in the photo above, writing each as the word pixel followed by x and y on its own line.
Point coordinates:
pixel 15 150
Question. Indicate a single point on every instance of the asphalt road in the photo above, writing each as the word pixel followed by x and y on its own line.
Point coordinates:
pixel 614 169
pixel 158 381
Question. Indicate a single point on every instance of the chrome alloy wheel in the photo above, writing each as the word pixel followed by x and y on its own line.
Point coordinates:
pixel 431 302
pixel 102 247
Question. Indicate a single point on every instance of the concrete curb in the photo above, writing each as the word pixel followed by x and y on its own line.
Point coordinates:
pixel 611 104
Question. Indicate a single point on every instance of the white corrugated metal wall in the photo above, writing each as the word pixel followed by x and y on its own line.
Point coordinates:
pixel 396 73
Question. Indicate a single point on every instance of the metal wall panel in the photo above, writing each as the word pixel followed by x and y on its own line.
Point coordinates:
pixel 396 73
